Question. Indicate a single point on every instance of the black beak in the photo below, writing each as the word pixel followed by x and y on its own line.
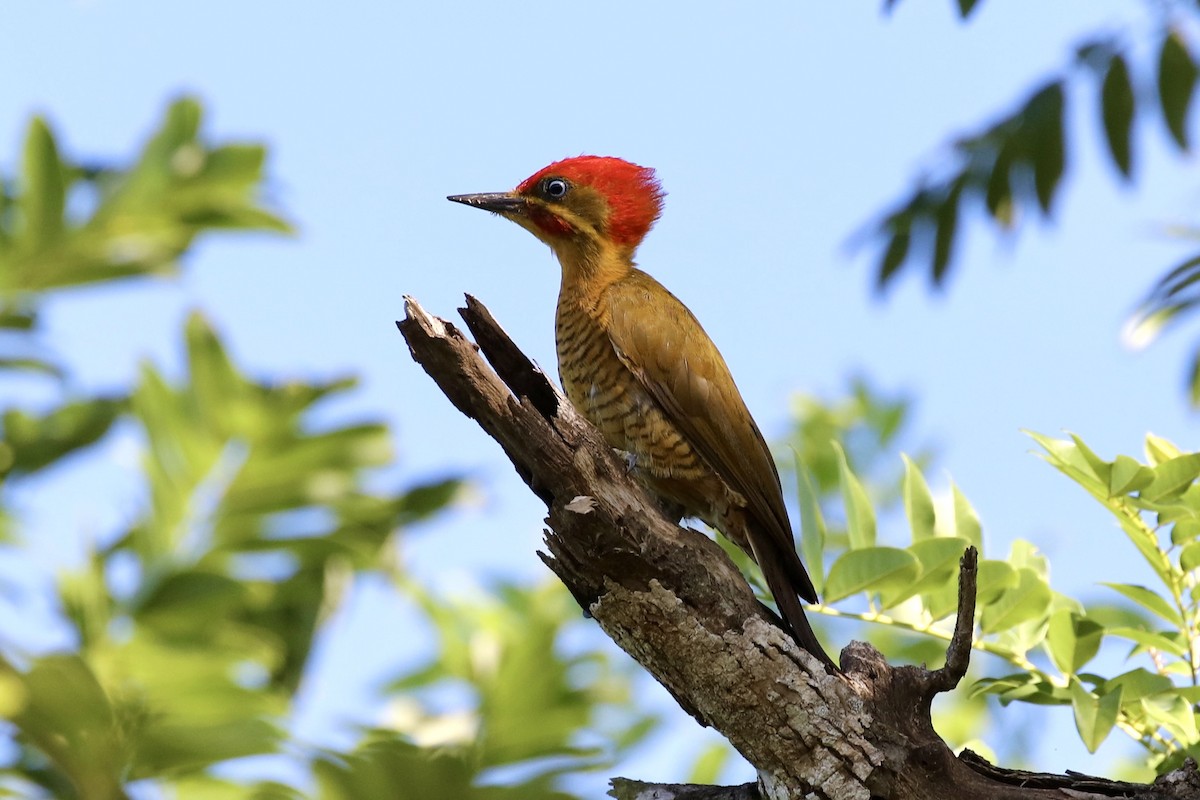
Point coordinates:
pixel 500 202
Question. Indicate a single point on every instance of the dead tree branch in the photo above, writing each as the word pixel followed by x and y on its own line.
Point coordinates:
pixel 671 599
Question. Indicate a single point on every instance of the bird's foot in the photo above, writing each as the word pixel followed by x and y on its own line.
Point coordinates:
pixel 629 458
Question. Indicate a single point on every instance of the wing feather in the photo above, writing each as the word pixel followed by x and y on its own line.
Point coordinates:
pixel 681 368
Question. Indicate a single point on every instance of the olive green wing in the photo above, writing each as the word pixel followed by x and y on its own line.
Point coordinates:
pixel 680 367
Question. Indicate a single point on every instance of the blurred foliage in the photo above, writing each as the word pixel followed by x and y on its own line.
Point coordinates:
pixel 192 625
pixel 864 426
pixel 1014 166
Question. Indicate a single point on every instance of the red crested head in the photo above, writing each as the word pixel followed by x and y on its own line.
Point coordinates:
pixel 631 195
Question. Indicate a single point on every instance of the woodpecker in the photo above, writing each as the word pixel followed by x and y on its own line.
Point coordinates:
pixel 638 365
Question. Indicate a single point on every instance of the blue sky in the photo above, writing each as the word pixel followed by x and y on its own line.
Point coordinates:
pixel 777 134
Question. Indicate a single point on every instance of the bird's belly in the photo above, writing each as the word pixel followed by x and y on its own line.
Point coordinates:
pixel 628 417
pixel 611 397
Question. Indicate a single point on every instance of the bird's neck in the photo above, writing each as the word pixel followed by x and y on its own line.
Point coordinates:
pixel 590 267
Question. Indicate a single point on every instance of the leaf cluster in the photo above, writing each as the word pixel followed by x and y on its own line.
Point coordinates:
pixel 1049 637
pixel 1014 167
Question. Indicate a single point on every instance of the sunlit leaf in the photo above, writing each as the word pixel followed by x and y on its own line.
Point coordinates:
pixel 1094 716
pixel 860 515
pixel 918 502
pixel 1024 686
pixel 870 569
pixel 1028 600
pixel 966 521
pixel 1189 557
pixel 939 558
pixel 43 188
pixel 1149 639
pixel 1174 713
pixel 1129 476
pixel 1148 600
pixel 709 764
pixel 1159 450
pixel 67 714
pixel 1073 640
pixel 1138 683
pixel 1067 458
pixel 998 196
pixel 995 578
pixel 1172 477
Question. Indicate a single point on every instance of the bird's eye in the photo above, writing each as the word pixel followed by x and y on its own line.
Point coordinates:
pixel 555 188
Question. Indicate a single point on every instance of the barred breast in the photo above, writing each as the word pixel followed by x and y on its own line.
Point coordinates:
pixel 613 400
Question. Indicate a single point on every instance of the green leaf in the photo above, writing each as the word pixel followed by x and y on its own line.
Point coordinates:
pixel 965 7
pixel 939 556
pixel 995 578
pixel 43 190
pixel 1168 643
pixel 1137 684
pixel 812 525
pixel 1174 713
pixel 893 256
pixel 860 516
pixel 1094 716
pixel 1117 110
pixel 1044 126
pixel 940 603
pixel 709 764
pixel 998 198
pixel 966 521
pixel 69 717
pixel 1073 640
pixel 1023 686
pixel 216 385
pixel 1172 477
pixel 189 602
pixel 1159 450
pixel 870 569
pixel 17 319
pixel 1129 476
pixel 1194 379
pixel 1189 557
pixel 33 365
pixel 33 442
pixel 392 769
pixel 1099 467
pixel 1026 554
pixel 918 502
pixel 946 221
pixel 1176 82
pixel 1148 600
pixel 424 500
pixel 1067 458
pixel 939 559
pixel 1028 600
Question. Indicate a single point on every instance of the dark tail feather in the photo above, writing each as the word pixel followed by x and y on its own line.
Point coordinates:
pixel 786 599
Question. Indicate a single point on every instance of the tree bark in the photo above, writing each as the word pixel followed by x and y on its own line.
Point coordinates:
pixel 670 598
